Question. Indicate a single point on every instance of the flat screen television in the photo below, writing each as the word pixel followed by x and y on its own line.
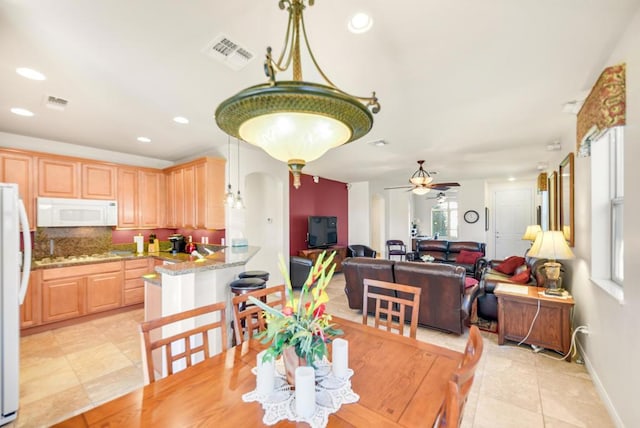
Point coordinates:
pixel 322 231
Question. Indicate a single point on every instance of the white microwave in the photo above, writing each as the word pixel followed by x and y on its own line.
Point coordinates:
pixel 63 212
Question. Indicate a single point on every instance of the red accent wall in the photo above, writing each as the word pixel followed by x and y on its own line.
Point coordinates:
pixel 327 197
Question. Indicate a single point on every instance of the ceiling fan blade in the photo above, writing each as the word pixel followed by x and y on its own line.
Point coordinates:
pixel 399 187
pixel 437 185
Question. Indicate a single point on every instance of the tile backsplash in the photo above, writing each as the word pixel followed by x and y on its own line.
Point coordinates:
pixel 71 241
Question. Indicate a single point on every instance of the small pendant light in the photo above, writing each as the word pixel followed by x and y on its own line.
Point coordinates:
pixel 229 199
pixel 239 204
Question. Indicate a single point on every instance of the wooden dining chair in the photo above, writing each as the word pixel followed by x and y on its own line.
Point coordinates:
pixel 187 346
pixel 460 383
pixel 249 319
pixel 393 308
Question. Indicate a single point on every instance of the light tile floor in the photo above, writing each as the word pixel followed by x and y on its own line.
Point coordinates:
pixel 69 370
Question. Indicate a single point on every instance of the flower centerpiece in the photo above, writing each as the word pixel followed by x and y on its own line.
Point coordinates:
pixel 302 329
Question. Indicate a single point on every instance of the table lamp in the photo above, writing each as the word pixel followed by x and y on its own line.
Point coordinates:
pixel 551 245
pixel 532 232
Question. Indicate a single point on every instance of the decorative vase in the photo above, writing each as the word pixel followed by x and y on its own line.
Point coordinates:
pixel 291 362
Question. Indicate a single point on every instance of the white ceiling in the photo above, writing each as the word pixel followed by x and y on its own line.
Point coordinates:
pixel 474 87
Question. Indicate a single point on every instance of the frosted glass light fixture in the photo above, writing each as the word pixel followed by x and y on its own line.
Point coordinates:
pixel 296 121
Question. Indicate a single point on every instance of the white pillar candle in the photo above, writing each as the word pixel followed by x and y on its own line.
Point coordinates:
pixel 266 375
pixel 340 358
pixel 305 391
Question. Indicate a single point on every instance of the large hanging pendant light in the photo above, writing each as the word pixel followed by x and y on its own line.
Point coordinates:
pixel 295 121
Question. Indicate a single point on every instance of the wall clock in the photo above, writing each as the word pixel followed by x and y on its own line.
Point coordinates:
pixel 471 216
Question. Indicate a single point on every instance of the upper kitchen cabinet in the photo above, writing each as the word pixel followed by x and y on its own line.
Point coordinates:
pixel 18 168
pixel 140 198
pixel 58 177
pixel 195 192
pixel 98 181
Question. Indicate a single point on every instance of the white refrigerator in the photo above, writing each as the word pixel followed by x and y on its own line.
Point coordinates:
pixel 14 279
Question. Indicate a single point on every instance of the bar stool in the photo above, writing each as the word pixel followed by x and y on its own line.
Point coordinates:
pixel 246 285
pixel 255 274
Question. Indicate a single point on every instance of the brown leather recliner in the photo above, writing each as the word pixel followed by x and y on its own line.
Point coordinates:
pixel 448 252
pixel 356 269
pixel 445 303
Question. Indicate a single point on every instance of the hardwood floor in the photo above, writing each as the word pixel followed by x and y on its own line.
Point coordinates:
pixel 69 370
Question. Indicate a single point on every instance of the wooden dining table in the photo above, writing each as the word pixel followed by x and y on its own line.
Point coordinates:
pixel 400 381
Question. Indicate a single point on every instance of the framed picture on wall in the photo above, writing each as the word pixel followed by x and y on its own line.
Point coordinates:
pixel 565 200
pixel 553 201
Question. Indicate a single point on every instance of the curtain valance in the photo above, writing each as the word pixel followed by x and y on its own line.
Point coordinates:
pixel 604 108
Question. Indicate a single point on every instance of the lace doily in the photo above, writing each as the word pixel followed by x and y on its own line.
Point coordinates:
pixel 331 393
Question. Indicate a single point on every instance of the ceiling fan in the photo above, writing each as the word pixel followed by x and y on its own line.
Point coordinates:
pixel 441 197
pixel 422 182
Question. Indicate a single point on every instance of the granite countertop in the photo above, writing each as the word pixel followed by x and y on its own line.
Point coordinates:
pixel 180 263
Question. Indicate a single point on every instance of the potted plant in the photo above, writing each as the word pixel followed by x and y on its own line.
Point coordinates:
pixel 301 330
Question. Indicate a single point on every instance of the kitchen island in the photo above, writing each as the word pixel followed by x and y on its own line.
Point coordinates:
pixel 184 282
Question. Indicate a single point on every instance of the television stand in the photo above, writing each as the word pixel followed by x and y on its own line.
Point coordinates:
pixel 313 253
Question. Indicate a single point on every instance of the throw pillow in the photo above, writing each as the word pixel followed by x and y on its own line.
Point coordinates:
pixel 469 282
pixel 509 265
pixel 468 257
pixel 522 277
pixel 520 269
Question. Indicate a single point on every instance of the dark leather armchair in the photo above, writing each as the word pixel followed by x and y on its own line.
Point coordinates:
pixel 299 269
pixel 361 251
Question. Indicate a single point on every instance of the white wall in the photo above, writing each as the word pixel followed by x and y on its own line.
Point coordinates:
pixel 398 207
pixel 56 147
pixel 359 213
pixel 612 347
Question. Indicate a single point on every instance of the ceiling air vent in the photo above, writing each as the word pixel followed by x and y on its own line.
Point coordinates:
pixel 228 52
pixel 55 103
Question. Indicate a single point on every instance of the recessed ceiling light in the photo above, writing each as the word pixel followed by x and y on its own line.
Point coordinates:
pixel 360 23
pixel 30 73
pixel 511 179
pixel 379 143
pixel 181 120
pixel 144 139
pixel 21 112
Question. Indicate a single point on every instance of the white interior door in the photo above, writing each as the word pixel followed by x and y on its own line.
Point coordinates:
pixel 513 213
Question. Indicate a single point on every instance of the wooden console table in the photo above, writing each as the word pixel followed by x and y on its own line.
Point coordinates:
pixel 312 254
pixel 516 311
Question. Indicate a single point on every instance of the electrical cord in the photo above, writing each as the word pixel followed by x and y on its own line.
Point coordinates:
pixel 532 324
pixel 572 346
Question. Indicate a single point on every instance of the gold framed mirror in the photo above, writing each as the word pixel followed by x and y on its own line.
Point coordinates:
pixel 553 201
pixel 565 193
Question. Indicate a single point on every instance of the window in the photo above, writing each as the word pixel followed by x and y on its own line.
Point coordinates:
pixel 607 204
pixel 444 220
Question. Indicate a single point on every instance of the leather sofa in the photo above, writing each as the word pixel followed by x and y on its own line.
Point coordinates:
pixel 449 252
pixel 445 303
pixel 488 302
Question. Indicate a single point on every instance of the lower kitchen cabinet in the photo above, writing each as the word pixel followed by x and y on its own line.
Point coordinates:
pixel 70 292
pixel 133 291
pixel 104 291
pixel 30 312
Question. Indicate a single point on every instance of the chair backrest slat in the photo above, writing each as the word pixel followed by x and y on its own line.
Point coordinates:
pixel 249 319
pixel 394 306
pixel 186 339
pixel 459 385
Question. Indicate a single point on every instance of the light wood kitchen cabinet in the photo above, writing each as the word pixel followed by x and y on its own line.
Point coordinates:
pixel 127 197
pixel 98 181
pixel 30 312
pixel 18 168
pixel 195 195
pixel 170 195
pixel 70 292
pixel 133 289
pixel 140 198
pixel 151 190
pixel 104 290
pixel 58 177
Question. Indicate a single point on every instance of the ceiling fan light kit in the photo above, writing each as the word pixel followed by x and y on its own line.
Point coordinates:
pixel 296 121
pixel 420 177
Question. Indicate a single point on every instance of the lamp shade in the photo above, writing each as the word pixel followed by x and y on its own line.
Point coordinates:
pixel 421 190
pixel 531 232
pixel 550 245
